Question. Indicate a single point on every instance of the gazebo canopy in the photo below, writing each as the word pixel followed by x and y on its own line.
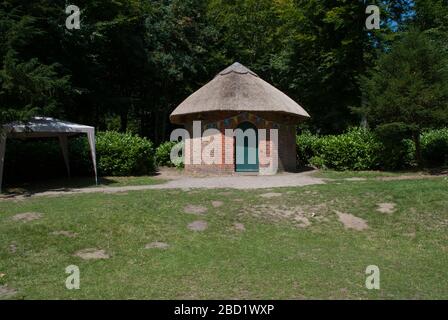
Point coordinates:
pixel 43 127
pixel 238 89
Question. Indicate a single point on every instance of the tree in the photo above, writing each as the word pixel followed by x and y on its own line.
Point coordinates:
pixel 321 59
pixel 181 46
pixel 312 50
pixel 133 61
pixel 30 83
pixel 409 87
pixel 432 18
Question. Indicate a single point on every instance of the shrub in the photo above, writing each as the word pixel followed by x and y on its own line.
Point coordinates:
pixel 358 149
pixel 317 162
pixel 397 155
pixel 435 147
pixel 179 163
pixel 120 154
pixel 306 147
pixel 163 153
pixel 117 154
pixel 397 151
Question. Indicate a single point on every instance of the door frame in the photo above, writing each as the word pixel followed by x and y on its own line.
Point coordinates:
pixel 246 167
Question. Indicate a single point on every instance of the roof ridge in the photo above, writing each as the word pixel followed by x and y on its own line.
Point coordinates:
pixel 237 67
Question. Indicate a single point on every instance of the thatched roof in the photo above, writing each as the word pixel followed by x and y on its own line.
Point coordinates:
pixel 237 89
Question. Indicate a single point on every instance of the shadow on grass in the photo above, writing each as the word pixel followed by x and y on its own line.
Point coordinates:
pixel 438 171
pixel 304 168
pixel 67 184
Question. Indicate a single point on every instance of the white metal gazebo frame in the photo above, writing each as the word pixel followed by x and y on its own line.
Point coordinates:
pixel 43 127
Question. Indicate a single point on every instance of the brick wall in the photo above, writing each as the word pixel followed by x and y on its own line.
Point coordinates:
pixel 285 149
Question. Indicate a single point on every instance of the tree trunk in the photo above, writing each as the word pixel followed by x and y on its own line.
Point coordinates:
pixel 418 149
pixel 123 120
pixel 164 123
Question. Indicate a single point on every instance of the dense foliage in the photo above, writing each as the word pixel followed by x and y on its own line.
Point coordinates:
pixel 163 152
pixel 435 147
pixel 163 155
pixel 355 150
pixel 361 149
pixel 118 154
pixel 409 88
pixel 133 61
pixel 124 154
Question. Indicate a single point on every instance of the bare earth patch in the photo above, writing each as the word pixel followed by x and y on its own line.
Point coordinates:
pixel 386 207
pixel 271 195
pixel 157 245
pixel 299 216
pixel 7 292
pixel 239 226
pixel 411 235
pixel 225 193
pixel 27 216
pixel 193 209
pixel 217 204
pixel 302 222
pixel 92 254
pixel 351 222
pixel 198 225
pixel 64 233
pixel 13 248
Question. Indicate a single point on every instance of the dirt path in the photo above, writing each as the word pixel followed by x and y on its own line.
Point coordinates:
pixel 241 182
pixel 217 182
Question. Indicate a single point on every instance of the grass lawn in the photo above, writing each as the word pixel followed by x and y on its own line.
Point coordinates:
pixel 293 245
pixel 333 174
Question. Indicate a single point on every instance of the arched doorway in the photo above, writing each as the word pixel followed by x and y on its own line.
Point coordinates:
pixel 246 148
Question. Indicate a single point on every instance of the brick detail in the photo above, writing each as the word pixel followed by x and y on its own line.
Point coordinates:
pixel 285 149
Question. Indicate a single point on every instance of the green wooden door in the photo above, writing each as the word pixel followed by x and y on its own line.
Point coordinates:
pixel 246 148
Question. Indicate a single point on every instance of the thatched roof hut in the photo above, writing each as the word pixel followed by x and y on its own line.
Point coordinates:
pixel 238 98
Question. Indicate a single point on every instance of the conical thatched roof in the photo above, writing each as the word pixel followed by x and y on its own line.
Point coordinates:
pixel 237 89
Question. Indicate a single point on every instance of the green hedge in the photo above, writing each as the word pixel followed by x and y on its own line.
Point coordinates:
pixel 355 150
pixel 122 154
pixel 435 147
pixel 118 154
pixel 361 149
pixel 163 153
